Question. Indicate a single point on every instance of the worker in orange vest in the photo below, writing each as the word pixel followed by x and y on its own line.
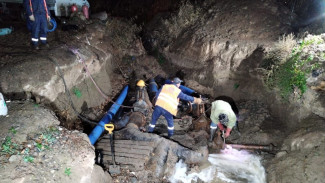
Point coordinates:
pixel 38 15
pixel 167 103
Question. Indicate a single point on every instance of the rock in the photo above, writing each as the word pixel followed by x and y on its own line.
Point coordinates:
pixel 99 176
pixel 280 154
pixel 14 158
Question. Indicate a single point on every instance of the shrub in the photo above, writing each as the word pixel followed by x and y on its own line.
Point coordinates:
pixel 289 72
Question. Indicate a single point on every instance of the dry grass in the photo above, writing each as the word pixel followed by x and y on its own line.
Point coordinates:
pixel 284 47
pixel 187 15
pixel 122 33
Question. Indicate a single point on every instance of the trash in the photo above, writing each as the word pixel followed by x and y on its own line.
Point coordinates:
pixel 5 31
pixel 3 106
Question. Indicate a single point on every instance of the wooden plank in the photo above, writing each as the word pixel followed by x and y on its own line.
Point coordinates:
pixel 124 146
pixel 129 142
pixel 130 167
pixel 140 156
pixel 125 150
pixel 124 160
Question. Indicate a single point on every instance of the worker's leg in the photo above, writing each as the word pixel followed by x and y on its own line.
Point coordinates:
pixel 155 115
pixel 170 122
pixel 35 30
pixel 43 28
pixel 213 129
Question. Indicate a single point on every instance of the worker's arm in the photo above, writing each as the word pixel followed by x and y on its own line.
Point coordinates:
pixel 27 8
pixel 231 124
pixel 185 97
pixel 221 127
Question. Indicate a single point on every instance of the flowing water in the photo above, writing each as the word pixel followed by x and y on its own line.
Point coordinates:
pixel 230 165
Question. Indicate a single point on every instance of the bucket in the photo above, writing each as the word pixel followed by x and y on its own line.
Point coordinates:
pixel 3 106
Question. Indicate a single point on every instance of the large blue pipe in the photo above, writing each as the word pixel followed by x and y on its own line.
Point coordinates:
pixel 99 129
pixel 153 87
pixel 184 89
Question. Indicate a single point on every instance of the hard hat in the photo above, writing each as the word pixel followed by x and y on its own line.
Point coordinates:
pixel 177 80
pixel 223 118
pixel 141 83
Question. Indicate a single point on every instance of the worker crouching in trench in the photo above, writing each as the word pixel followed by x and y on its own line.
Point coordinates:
pixel 167 103
pixel 223 115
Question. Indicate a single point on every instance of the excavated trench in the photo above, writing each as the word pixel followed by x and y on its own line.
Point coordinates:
pixel 275 135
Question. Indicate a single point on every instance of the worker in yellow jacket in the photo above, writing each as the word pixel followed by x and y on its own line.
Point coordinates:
pixel 222 115
pixel 167 104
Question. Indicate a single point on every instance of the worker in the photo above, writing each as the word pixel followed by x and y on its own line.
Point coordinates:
pixel 222 116
pixel 167 103
pixel 142 103
pixel 39 16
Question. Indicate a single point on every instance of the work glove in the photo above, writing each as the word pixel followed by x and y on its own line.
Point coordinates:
pixel 48 18
pixel 221 127
pixel 197 100
pixel 32 18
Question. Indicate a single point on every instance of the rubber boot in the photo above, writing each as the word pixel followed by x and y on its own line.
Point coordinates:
pixel 212 132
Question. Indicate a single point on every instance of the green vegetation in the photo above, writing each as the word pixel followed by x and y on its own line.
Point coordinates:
pixel 8 147
pixel 289 72
pixel 129 59
pixel 46 138
pixel 13 130
pixel 67 171
pixel 159 57
pixel 77 92
pixel 236 85
pixel 29 158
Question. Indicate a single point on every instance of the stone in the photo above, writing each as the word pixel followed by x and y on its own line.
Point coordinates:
pixel 14 158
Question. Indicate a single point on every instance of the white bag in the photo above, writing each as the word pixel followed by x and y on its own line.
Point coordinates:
pixel 3 106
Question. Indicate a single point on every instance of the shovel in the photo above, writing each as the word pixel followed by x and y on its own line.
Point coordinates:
pixel 113 169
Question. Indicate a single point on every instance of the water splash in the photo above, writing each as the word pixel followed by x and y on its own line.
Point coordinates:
pixel 230 165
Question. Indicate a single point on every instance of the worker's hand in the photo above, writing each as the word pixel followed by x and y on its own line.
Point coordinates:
pixel 221 127
pixel 228 132
pixel 48 18
pixel 32 18
pixel 197 100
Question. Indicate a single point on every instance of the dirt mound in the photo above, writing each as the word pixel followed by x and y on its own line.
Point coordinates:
pixel 35 149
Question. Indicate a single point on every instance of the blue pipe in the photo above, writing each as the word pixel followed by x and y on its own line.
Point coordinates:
pixel 99 129
pixel 153 87
pixel 184 89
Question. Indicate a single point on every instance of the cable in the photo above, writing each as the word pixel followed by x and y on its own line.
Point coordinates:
pixel 68 93
pixel 76 52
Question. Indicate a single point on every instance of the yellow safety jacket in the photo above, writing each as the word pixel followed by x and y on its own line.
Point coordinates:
pixel 167 98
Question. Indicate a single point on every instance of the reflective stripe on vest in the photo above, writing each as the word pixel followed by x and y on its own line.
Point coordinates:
pixel 167 98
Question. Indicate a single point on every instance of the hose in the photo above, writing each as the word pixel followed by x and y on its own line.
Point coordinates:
pixel 53 23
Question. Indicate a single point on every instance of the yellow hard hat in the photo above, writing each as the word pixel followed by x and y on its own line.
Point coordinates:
pixel 141 83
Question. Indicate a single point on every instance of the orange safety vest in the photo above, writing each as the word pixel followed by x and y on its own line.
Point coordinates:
pixel 167 98
pixel 31 7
